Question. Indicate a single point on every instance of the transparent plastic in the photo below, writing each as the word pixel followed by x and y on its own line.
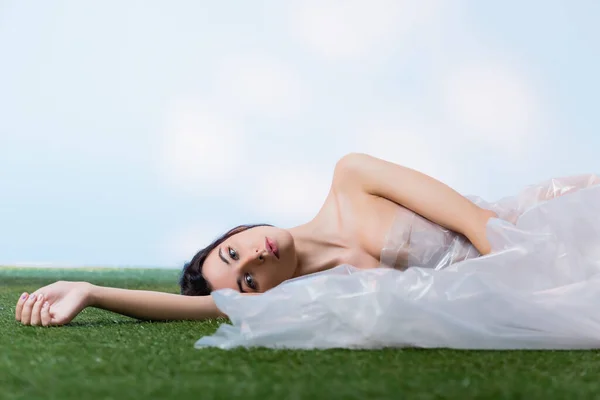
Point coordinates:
pixel 538 289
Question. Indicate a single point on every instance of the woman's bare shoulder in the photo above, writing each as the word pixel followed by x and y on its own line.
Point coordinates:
pixel 362 220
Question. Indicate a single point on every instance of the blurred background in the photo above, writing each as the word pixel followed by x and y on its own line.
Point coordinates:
pixel 133 133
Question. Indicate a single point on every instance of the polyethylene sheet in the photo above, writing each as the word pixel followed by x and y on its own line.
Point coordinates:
pixel 539 289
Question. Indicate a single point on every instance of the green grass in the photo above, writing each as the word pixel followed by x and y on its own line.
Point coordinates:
pixel 105 356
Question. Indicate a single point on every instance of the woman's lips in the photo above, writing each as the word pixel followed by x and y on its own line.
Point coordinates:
pixel 271 246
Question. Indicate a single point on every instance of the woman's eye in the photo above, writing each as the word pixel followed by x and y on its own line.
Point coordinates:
pixel 232 253
pixel 250 281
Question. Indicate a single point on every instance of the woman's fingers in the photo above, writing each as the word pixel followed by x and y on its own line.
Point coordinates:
pixel 36 317
pixel 33 310
pixel 26 311
pixel 20 304
pixel 46 318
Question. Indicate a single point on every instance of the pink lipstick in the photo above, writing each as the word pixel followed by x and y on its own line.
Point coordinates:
pixel 271 246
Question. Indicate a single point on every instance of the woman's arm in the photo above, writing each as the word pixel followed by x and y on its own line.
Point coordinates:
pixel 144 304
pixel 418 192
pixel 60 302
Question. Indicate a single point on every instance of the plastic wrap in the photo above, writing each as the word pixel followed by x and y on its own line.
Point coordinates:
pixel 539 289
pixel 415 241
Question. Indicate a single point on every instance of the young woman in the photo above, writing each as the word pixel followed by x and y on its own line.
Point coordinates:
pixel 366 198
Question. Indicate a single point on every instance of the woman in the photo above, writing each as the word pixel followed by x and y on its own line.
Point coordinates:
pixel 366 197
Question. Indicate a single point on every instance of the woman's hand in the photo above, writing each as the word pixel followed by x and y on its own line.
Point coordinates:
pixel 476 233
pixel 55 304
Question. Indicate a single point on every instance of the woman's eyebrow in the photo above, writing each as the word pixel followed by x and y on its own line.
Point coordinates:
pixel 239 283
pixel 222 258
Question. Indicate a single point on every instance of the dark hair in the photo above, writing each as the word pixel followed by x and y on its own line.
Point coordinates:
pixel 192 282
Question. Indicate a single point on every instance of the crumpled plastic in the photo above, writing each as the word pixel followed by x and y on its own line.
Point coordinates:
pixel 538 289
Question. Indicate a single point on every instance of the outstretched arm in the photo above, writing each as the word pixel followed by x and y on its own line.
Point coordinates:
pixel 60 302
pixel 144 304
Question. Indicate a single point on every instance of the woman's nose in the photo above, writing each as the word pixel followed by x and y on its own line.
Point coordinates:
pixel 255 258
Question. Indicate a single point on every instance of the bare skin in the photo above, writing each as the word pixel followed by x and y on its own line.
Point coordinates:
pixel 350 228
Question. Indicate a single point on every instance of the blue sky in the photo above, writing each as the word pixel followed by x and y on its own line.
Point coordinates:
pixel 132 133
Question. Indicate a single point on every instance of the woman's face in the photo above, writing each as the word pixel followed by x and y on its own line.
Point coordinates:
pixel 252 261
